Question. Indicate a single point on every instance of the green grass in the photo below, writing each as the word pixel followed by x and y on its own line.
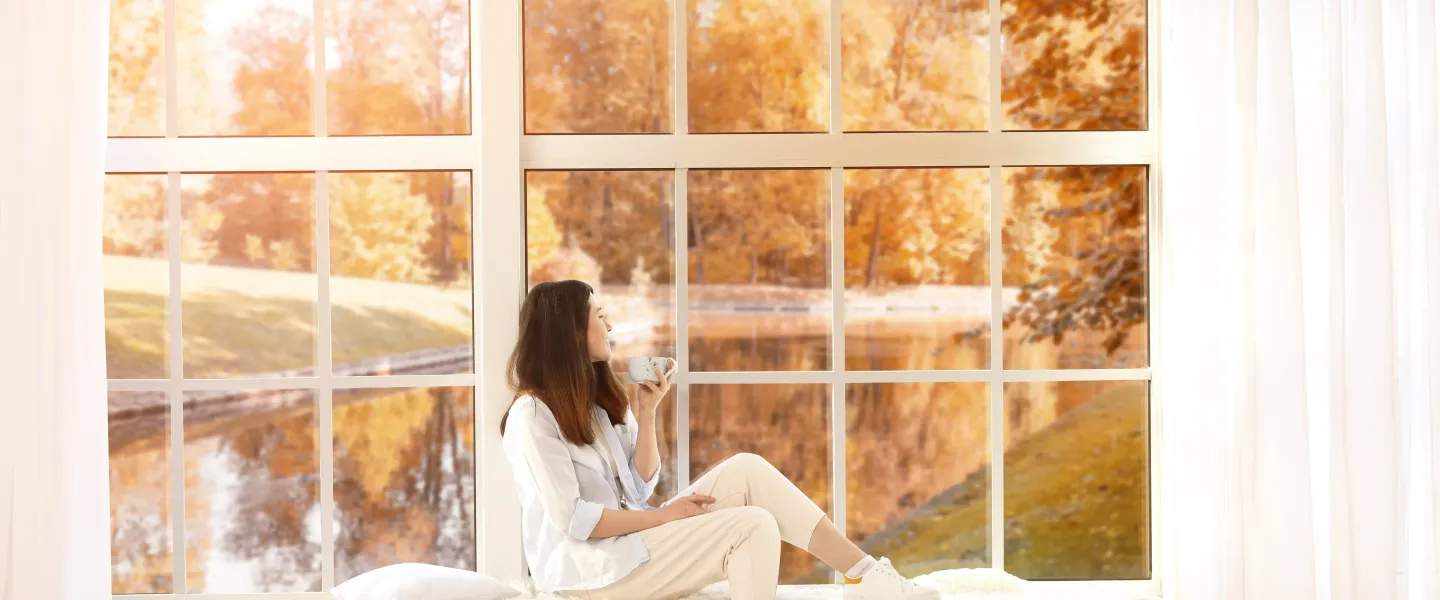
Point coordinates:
pixel 1076 504
pixel 247 321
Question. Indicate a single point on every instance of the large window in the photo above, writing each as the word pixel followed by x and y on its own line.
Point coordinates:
pixel 900 248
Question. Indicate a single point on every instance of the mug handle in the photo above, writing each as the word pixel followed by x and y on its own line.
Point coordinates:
pixel 674 366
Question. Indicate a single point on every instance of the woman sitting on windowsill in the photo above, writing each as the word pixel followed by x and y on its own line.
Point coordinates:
pixel 585 460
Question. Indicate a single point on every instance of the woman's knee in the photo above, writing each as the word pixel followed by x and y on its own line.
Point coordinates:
pixel 750 463
pixel 757 521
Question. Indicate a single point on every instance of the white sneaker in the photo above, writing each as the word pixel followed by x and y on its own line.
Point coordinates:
pixel 883 582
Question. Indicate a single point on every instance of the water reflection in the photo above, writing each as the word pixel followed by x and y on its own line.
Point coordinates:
pixel 404 488
pixel 404 460
pixel 252 503
pixel 786 424
pixel 140 555
pixel 404 478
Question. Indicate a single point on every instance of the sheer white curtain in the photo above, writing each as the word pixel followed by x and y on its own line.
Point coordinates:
pixel 54 500
pixel 1300 323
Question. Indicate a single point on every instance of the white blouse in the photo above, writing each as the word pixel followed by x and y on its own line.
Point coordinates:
pixel 564 489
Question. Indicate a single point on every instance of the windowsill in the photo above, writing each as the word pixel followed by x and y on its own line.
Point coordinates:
pixel 1107 590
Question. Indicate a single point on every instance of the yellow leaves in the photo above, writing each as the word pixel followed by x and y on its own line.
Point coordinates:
pixel 542 238
pixel 916 226
pixel 136 79
pixel 378 227
pixel 280 255
pixel 376 434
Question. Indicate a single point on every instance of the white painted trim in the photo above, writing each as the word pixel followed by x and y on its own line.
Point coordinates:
pixel 681 205
pixel 345 382
pixel 854 377
pixel 500 264
pixel 1161 549
pixel 837 329
pixel 1109 590
pixel 662 151
pixel 823 150
pixel 175 397
pixel 325 396
pixel 212 155
pixel 996 431
pixel 477 397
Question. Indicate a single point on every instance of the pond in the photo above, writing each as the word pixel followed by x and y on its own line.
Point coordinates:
pixel 916 454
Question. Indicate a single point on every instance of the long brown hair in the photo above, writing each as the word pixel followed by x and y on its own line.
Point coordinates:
pixel 552 362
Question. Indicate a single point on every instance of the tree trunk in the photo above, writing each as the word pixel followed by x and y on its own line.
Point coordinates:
pixel 872 268
pixel 697 239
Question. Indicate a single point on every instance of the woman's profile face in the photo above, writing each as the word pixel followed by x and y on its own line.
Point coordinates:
pixel 597 335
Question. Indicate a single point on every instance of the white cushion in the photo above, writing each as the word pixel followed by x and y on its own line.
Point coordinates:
pixel 410 581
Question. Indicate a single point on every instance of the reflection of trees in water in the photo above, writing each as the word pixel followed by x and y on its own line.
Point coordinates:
pixel 404 489
pixel 139 523
pixel 786 424
pixel 404 480
pixel 276 490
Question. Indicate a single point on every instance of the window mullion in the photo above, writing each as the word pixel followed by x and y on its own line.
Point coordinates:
pixel 997 365
pixel 680 90
pixel 837 273
pixel 324 367
pixel 174 393
pixel 682 327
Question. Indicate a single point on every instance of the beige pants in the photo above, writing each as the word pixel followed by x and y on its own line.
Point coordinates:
pixel 756 508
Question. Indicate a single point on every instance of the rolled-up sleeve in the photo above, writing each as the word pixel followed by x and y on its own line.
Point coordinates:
pixel 546 458
pixel 647 488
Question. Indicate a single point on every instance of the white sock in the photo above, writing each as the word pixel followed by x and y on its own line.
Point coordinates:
pixel 861 568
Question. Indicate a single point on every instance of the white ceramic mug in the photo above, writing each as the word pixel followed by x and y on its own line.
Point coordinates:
pixel 643 368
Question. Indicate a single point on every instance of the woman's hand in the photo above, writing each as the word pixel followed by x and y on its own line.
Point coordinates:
pixel 685 507
pixel 648 394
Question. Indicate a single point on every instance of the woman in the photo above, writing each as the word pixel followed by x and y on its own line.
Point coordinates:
pixel 586 461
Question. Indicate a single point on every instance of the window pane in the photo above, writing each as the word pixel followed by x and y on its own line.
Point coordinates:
pixel 404 478
pixel 137 277
pixel 248 286
pixel 616 231
pixel 917 473
pixel 916 65
pixel 1076 268
pixel 758 65
pixel 140 543
pixel 917 264
pixel 252 501
pixel 397 67
pixel 1077 480
pixel 788 425
pixel 1081 67
pixel 137 68
pixel 759 285
pixel 598 66
pixel 400 264
pixel 246 67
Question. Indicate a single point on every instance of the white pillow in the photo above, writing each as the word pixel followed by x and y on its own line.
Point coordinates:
pixel 411 581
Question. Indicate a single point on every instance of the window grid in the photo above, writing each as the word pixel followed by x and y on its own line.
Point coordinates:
pixel 498 196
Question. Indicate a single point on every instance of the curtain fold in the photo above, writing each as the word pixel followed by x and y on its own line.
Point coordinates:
pixel 54 509
pixel 1300 323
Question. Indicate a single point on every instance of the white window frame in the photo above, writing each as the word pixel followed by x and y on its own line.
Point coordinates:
pixel 498 153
